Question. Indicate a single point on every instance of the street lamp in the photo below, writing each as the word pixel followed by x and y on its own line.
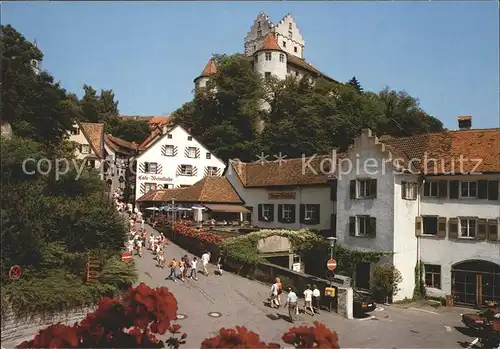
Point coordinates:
pixel 333 243
pixel 173 215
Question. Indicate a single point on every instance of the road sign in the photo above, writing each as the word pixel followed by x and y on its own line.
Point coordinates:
pixel 331 264
pixel 15 272
pixel 126 257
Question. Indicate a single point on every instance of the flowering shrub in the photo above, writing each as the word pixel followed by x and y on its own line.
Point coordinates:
pixel 134 320
pixel 130 322
pixel 192 232
pixel 317 336
pixel 239 337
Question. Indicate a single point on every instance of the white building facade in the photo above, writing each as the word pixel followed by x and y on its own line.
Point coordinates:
pixel 281 197
pixel 418 214
pixel 175 159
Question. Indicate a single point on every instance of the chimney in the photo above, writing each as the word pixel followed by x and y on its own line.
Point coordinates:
pixel 465 122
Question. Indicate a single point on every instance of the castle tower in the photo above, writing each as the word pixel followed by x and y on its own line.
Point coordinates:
pixel 289 37
pixel 209 70
pixel 270 59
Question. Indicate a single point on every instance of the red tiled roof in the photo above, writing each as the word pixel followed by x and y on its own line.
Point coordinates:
pixel 210 69
pixel 160 120
pixel 270 43
pixel 209 189
pixel 290 172
pixel 481 146
pixel 149 139
pixel 94 132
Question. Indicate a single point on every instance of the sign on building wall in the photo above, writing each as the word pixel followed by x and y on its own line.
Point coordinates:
pixel 155 178
pixel 282 195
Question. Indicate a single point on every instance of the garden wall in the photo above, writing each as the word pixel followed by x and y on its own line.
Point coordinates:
pixel 15 330
pixel 267 272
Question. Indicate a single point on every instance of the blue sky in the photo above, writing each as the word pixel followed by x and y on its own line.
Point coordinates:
pixel 444 53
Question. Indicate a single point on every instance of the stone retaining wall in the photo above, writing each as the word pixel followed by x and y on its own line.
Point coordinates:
pixel 15 331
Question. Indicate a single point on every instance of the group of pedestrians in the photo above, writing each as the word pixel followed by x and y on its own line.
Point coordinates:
pixel 188 268
pixel 312 295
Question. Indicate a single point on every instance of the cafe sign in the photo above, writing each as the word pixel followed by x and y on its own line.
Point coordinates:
pixel 282 195
pixel 154 178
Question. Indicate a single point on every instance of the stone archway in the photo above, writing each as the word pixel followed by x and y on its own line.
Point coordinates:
pixel 474 282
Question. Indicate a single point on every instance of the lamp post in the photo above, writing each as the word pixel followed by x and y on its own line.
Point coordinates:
pixel 173 215
pixel 333 244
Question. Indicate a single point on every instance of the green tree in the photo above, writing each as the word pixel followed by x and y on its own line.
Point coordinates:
pixel 225 115
pixel 353 82
pixel 385 282
pixel 403 115
pixel 34 105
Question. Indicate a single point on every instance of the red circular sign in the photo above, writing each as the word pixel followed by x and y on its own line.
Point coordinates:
pixel 126 257
pixel 331 264
pixel 15 272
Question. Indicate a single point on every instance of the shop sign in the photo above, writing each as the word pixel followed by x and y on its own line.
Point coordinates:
pixel 154 178
pixel 282 195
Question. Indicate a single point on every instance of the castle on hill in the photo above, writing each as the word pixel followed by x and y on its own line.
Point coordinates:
pixel 274 49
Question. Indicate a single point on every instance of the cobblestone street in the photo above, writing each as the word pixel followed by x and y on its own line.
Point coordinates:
pixel 241 302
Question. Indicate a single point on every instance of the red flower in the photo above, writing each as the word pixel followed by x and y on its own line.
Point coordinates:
pixel 318 336
pixel 239 337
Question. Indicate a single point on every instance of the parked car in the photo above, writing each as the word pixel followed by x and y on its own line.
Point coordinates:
pixel 363 302
pixel 478 320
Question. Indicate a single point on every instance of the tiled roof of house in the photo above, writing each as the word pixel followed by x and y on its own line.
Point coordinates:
pixel 209 189
pixel 480 146
pixel 94 132
pixel 301 63
pixel 159 120
pixel 210 69
pixel 288 172
pixel 149 139
pixel 136 117
pixel 270 43
pixel 118 144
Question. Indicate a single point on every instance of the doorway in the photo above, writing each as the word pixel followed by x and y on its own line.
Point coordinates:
pixel 475 282
pixel 363 275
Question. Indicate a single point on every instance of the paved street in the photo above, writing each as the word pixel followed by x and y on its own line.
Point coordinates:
pixel 241 302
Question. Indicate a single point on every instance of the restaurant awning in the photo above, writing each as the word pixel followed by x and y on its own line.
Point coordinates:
pixel 228 208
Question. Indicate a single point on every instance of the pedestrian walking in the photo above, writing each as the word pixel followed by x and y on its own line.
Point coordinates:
pixel 139 246
pixel 205 258
pixel 173 267
pixel 308 294
pixel 274 294
pixel 161 258
pixel 194 265
pixel 182 266
pixel 220 263
pixel 291 302
pixel 316 298
pixel 187 266
pixel 280 291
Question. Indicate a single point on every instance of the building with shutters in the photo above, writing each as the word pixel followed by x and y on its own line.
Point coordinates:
pixel 432 198
pixel 173 159
pixel 287 194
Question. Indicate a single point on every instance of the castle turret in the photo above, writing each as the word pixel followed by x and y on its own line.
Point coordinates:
pixel 270 59
pixel 206 74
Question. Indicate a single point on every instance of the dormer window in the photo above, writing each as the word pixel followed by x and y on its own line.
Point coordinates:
pixel 75 131
pixel 268 56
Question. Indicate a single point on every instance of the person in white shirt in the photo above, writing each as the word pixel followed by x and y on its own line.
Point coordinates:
pixel 308 293
pixel 205 258
pixel 291 302
pixel 194 265
pixel 316 298
pixel 139 247
pixel 130 245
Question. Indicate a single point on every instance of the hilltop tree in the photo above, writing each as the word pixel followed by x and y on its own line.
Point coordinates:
pixel 226 118
pixel 403 115
pixel 355 84
pixel 34 104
